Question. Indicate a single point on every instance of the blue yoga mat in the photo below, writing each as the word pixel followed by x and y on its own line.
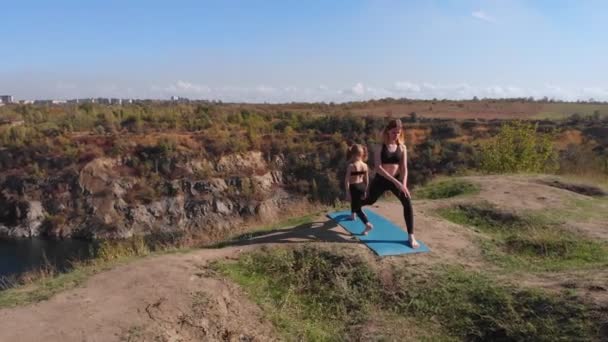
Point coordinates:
pixel 385 239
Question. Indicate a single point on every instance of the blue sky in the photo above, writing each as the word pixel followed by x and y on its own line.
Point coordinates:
pixel 278 51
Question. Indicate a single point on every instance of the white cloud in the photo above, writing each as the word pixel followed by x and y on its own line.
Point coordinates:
pixel 361 92
pixel 358 89
pixel 557 92
pixel 429 86
pixel 357 92
pixel 596 92
pixel 266 89
pixel 456 91
pixel 481 15
pixel 407 87
pixel 184 87
pixel 376 93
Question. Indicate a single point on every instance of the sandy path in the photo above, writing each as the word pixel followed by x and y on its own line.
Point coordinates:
pixel 113 305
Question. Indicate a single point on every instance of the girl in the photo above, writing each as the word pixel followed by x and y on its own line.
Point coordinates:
pixel 356 181
pixel 390 161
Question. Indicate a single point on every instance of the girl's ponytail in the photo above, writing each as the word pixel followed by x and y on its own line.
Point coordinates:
pixel 355 149
pixel 352 150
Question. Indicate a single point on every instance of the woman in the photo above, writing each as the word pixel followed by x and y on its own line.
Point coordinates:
pixel 390 162
pixel 356 182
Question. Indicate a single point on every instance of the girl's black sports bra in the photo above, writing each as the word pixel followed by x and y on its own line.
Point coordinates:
pixel 357 173
pixel 390 157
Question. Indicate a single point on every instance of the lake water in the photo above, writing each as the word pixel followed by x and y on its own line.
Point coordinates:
pixel 19 256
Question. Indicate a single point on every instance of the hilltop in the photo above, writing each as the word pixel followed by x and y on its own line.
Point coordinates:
pixel 189 297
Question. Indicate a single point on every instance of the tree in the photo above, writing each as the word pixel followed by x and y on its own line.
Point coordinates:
pixel 518 147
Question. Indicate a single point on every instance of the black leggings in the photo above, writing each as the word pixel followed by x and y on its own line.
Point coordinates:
pixel 378 186
pixel 357 191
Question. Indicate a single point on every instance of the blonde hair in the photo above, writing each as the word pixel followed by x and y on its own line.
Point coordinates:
pixel 355 150
pixel 391 125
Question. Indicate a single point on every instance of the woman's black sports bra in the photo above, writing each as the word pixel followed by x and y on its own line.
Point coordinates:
pixel 390 157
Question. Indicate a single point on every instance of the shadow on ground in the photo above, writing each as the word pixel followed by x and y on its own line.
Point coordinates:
pixel 321 231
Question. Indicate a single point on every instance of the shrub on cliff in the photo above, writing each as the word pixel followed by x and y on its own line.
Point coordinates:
pixel 518 147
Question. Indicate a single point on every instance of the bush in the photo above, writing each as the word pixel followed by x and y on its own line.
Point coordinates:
pixel 519 148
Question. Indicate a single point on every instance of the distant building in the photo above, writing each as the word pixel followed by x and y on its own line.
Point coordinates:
pixel 103 100
pixel 126 101
pixel 115 101
pixel 6 99
pixel 179 99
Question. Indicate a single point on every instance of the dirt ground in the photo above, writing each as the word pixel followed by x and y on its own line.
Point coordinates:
pixel 176 298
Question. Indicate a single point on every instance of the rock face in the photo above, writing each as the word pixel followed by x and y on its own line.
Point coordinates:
pixel 26 218
pixel 235 163
pixel 99 201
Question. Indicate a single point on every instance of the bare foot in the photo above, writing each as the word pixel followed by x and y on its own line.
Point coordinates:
pixel 413 243
pixel 368 227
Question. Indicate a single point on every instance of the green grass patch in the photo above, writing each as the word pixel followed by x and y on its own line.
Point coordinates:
pixel 485 217
pixel 529 242
pixel 43 288
pixel 446 189
pixel 593 206
pixel 581 209
pixel 307 293
pixel 473 307
pixel 312 294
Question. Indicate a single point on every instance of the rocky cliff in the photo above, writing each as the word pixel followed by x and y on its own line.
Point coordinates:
pixel 103 199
